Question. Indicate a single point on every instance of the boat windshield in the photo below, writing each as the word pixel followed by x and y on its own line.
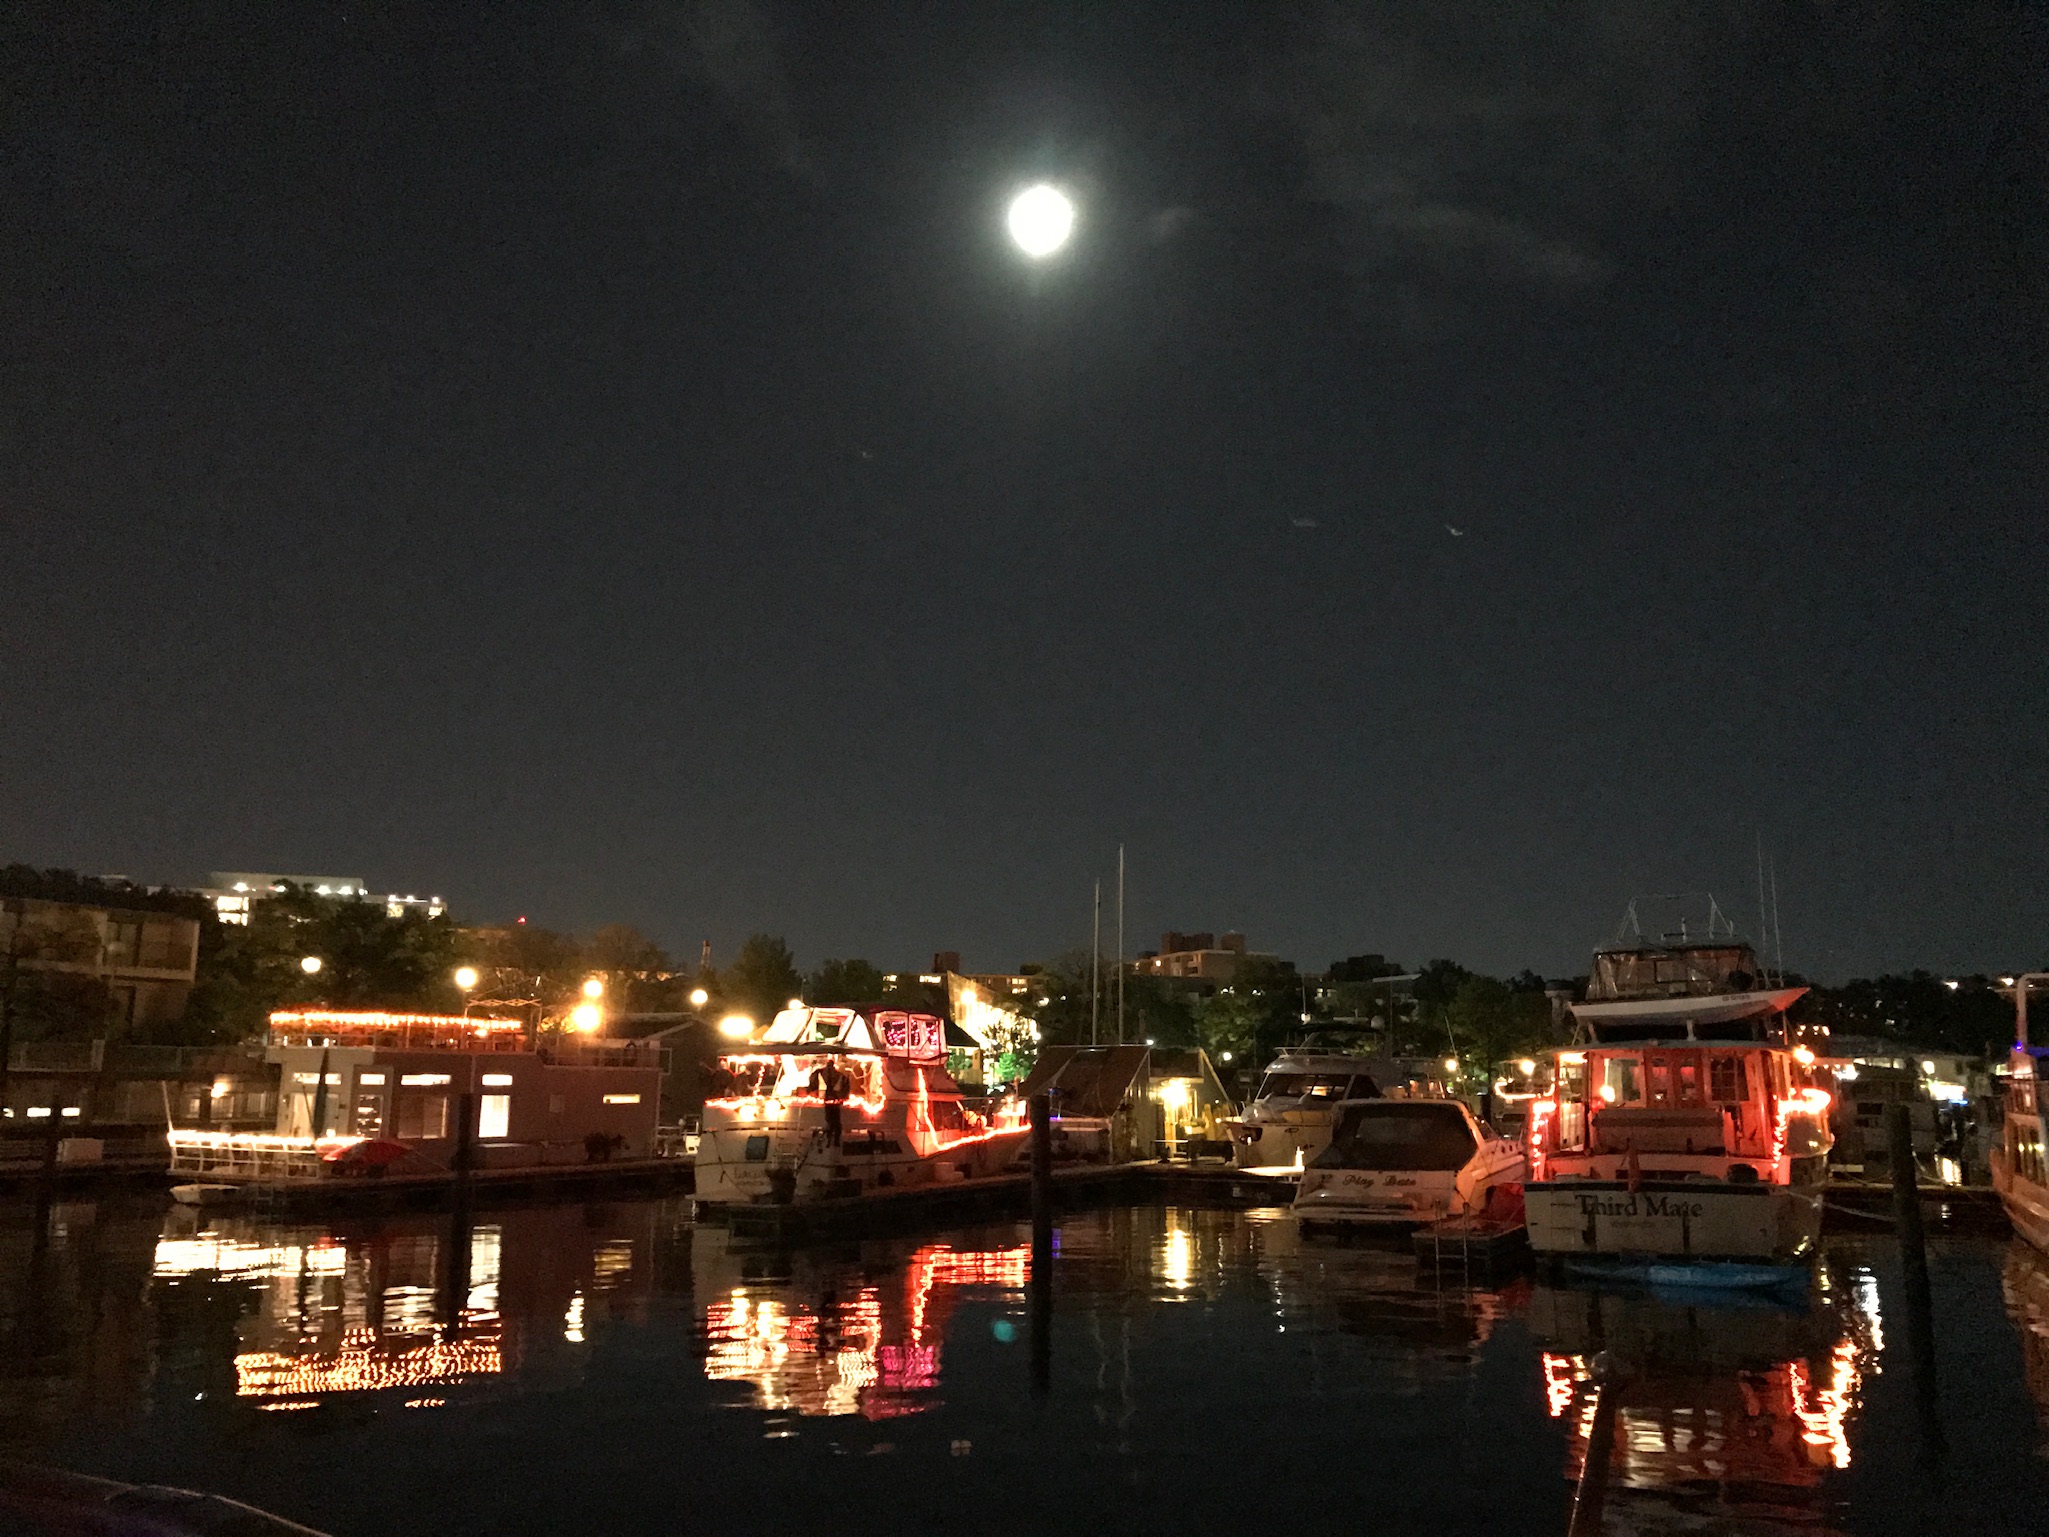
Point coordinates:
pixel 1319 1086
pixel 1400 1134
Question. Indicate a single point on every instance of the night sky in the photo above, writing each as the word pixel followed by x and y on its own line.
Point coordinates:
pixel 605 461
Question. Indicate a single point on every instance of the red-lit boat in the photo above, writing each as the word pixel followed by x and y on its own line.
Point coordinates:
pixel 1684 1129
pixel 2020 1162
pixel 768 1133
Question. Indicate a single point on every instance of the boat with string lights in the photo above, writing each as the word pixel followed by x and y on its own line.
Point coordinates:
pixel 369 1095
pixel 1683 1130
pixel 836 1102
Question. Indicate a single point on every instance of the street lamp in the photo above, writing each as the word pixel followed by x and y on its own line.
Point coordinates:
pixel 586 1017
pixel 593 988
pixel 310 964
pixel 465 977
pixel 1040 220
pixel 736 1026
pixel 699 997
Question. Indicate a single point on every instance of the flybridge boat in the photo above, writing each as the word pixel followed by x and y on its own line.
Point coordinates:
pixel 840 1102
pixel 1684 1129
pixel 2019 1171
pixel 1291 1118
pixel 1399 1162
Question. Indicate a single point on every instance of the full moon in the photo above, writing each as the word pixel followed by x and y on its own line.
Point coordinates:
pixel 1041 218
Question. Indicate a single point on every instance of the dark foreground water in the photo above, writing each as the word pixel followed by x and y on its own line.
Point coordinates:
pixel 608 1368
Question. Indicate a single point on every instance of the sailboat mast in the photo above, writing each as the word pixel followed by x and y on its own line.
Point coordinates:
pixel 1096 965
pixel 1120 944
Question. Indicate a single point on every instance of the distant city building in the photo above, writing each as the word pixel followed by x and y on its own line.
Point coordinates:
pixel 146 960
pixel 234 892
pixel 1200 958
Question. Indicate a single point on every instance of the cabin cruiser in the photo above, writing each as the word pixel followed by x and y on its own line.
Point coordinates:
pixel 1289 1120
pixel 1406 1161
pixel 1683 1129
pixel 2019 1171
pixel 838 1102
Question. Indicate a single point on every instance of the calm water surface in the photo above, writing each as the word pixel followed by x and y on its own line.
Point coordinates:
pixel 610 1368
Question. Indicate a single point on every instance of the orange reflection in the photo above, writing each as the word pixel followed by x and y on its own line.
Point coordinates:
pixel 873 1351
pixel 1725 1407
pixel 366 1362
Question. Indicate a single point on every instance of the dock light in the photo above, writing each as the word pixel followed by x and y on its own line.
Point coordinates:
pixel 1527 1066
pixel 1227 1056
pixel 465 977
pixel 699 997
pixel 593 988
pixel 1804 1055
pixel 737 1026
pixel 1928 1068
pixel 1040 219
pixel 586 1017
pixel 309 964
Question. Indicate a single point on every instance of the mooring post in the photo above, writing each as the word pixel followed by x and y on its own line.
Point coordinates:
pixel 1906 1210
pixel 1041 1108
pixel 465 1138
pixel 1592 1492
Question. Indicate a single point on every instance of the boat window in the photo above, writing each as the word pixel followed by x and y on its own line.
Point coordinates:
pixel 946 1115
pixel 1306 1085
pixel 1621 1081
pixel 1658 1080
pixel 1725 1079
pixel 1400 1134
pixel 1363 1087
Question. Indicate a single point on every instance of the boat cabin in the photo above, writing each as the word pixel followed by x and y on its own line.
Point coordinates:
pixel 1713 1106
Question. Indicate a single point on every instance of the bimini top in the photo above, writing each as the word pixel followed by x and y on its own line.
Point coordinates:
pixel 892 1032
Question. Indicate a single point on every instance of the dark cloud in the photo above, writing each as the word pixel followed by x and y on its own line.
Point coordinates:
pixel 1475 140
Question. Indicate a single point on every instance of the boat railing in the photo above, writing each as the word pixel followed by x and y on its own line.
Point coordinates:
pixel 245 1156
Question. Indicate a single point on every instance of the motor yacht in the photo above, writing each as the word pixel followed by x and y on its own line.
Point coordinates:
pixel 2020 1162
pixel 1289 1121
pixel 1399 1162
pixel 769 1133
pixel 1683 1128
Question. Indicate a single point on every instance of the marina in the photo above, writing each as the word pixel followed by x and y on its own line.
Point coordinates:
pixel 334 1372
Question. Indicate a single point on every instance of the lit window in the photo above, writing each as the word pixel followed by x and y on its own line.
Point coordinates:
pixel 71 1110
pixel 494 1116
pixel 370 1079
pixel 422 1080
pixel 38 1112
pixel 497 1080
pixel 622 1099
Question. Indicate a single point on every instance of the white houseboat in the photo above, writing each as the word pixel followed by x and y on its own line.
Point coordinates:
pixel 1683 1130
pixel 838 1102
pixel 372 1093
pixel 1400 1162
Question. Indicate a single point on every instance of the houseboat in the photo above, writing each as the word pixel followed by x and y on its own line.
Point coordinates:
pixel 2019 1172
pixel 1290 1120
pixel 1683 1129
pixel 1400 1162
pixel 840 1102
pixel 366 1093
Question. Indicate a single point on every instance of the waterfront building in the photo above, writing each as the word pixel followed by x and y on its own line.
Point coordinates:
pixel 234 893
pixel 121 967
pixel 1202 961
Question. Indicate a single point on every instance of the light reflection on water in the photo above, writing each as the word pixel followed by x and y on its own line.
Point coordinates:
pixel 1188 1351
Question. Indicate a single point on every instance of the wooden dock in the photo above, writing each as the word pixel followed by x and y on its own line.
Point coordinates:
pixel 570 1181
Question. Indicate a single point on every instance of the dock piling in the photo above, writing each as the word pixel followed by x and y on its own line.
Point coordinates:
pixel 1041 1108
pixel 1906 1205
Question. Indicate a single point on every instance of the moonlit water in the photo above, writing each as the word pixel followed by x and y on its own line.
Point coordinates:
pixel 610 1367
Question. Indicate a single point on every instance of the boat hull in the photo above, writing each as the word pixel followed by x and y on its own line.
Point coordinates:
pixel 2026 1201
pixel 1674 1219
